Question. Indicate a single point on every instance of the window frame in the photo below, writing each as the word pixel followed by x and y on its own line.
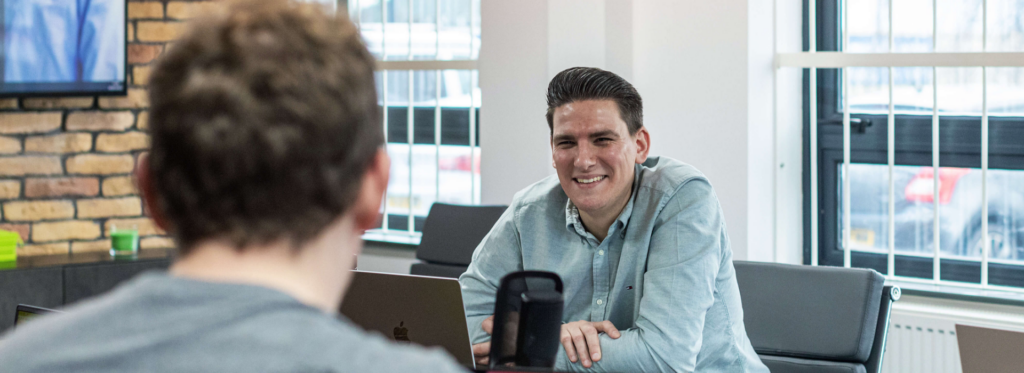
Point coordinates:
pixel 406 227
pixel 959 146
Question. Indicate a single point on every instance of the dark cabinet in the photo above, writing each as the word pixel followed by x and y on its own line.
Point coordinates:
pixel 54 281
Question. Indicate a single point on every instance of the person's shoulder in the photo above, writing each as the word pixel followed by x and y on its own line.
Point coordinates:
pixel 356 350
pixel 667 176
pixel 547 191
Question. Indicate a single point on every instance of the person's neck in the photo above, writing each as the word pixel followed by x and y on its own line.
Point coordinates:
pixel 315 274
pixel 598 223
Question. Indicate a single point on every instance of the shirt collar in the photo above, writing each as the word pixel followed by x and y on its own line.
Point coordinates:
pixel 572 213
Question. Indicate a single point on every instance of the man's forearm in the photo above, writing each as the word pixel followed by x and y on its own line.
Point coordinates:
pixel 628 353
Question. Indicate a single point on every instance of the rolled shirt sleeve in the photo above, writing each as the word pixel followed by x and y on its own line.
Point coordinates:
pixel 496 255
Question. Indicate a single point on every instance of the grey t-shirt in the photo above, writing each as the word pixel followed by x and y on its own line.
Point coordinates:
pixel 160 323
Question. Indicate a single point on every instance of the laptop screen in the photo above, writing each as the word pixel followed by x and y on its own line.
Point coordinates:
pixel 26 313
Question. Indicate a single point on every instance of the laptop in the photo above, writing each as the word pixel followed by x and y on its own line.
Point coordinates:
pixel 25 313
pixel 990 350
pixel 424 310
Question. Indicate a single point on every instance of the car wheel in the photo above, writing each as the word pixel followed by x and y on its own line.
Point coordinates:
pixel 998 247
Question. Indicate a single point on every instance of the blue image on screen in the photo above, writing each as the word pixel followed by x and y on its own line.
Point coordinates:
pixel 70 45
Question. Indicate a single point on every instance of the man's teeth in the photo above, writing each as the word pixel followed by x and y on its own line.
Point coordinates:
pixel 588 181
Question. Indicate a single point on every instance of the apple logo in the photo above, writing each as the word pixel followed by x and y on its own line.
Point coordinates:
pixel 401 333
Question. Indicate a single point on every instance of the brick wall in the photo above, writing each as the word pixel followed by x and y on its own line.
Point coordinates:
pixel 66 163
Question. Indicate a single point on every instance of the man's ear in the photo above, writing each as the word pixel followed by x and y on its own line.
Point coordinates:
pixel 146 186
pixel 371 193
pixel 643 144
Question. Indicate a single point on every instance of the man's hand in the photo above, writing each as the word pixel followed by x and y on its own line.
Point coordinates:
pixel 482 351
pixel 581 342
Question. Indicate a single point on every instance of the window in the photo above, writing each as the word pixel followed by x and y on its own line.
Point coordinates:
pixel 427 85
pixel 908 90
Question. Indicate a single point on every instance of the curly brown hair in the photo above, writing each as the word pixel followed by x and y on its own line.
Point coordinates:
pixel 264 118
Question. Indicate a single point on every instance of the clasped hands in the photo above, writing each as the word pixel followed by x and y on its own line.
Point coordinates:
pixel 579 338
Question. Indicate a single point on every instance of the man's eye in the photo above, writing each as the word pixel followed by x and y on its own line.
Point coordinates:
pixel 565 143
pixel 603 139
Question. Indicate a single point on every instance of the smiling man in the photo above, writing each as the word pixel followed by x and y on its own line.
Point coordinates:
pixel 639 241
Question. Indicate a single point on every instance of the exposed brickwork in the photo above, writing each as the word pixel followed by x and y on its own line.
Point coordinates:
pixel 66 162
pixel 143 53
pixel 29 165
pixel 65 230
pixel 21 229
pixel 44 249
pixel 184 10
pixel 58 103
pixel 138 10
pixel 146 226
pixel 9 145
pixel 142 122
pixel 90 246
pixel 60 143
pixel 135 99
pixel 61 187
pixel 140 75
pixel 38 210
pixel 96 164
pixel 107 207
pixel 156 243
pixel 10 189
pixel 18 123
pixel 158 31
pixel 122 142
pixel 118 186
pixel 99 121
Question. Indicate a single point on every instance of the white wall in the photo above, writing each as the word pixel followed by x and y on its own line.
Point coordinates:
pixel 704 69
pixel 513 77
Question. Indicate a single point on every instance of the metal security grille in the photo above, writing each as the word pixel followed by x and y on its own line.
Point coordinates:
pixel 427 80
pixel 900 58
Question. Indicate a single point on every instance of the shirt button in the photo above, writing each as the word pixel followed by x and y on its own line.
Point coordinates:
pixel 600 302
pixel 600 252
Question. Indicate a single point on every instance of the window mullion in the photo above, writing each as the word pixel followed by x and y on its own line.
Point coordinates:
pixel 812 91
pixel 936 180
pixel 846 139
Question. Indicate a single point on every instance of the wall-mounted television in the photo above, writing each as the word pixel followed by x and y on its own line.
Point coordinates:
pixel 63 48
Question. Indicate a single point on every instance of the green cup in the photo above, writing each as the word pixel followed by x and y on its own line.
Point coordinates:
pixel 124 242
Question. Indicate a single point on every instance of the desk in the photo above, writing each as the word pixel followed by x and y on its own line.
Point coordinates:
pixel 52 281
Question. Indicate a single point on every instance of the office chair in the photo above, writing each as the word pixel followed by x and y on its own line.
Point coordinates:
pixel 450 234
pixel 815 319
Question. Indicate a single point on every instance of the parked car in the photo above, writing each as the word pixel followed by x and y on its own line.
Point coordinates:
pixel 960 208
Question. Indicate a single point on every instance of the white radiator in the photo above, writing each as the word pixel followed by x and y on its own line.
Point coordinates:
pixel 922 332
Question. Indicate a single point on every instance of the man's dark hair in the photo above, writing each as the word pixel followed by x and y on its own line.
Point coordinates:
pixel 264 120
pixel 589 83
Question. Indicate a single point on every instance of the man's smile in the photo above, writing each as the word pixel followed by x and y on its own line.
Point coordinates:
pixel 589 180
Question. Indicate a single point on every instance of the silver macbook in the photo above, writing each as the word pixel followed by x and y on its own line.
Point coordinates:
pixel 405 308
pixel 990 350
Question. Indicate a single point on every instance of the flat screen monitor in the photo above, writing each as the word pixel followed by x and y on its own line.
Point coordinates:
pixel 63 48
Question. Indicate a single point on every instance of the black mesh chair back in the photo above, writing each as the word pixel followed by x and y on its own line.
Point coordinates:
pixel 450 234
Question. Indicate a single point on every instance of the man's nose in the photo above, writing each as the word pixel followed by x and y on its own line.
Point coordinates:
pixel 585 157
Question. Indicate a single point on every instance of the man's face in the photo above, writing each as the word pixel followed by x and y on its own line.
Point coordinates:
pixel 594 155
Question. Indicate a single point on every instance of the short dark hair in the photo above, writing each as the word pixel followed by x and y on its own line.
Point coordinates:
pixel 264 120
pixel 590 83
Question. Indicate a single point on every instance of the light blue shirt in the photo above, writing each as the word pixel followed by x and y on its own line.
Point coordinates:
pixel 663 275
pixel 55 41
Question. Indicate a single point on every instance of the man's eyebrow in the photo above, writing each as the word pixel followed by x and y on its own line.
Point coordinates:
pixel 561 137
pixel 605 133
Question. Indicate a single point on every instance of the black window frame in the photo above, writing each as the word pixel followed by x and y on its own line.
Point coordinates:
pixel 959 145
